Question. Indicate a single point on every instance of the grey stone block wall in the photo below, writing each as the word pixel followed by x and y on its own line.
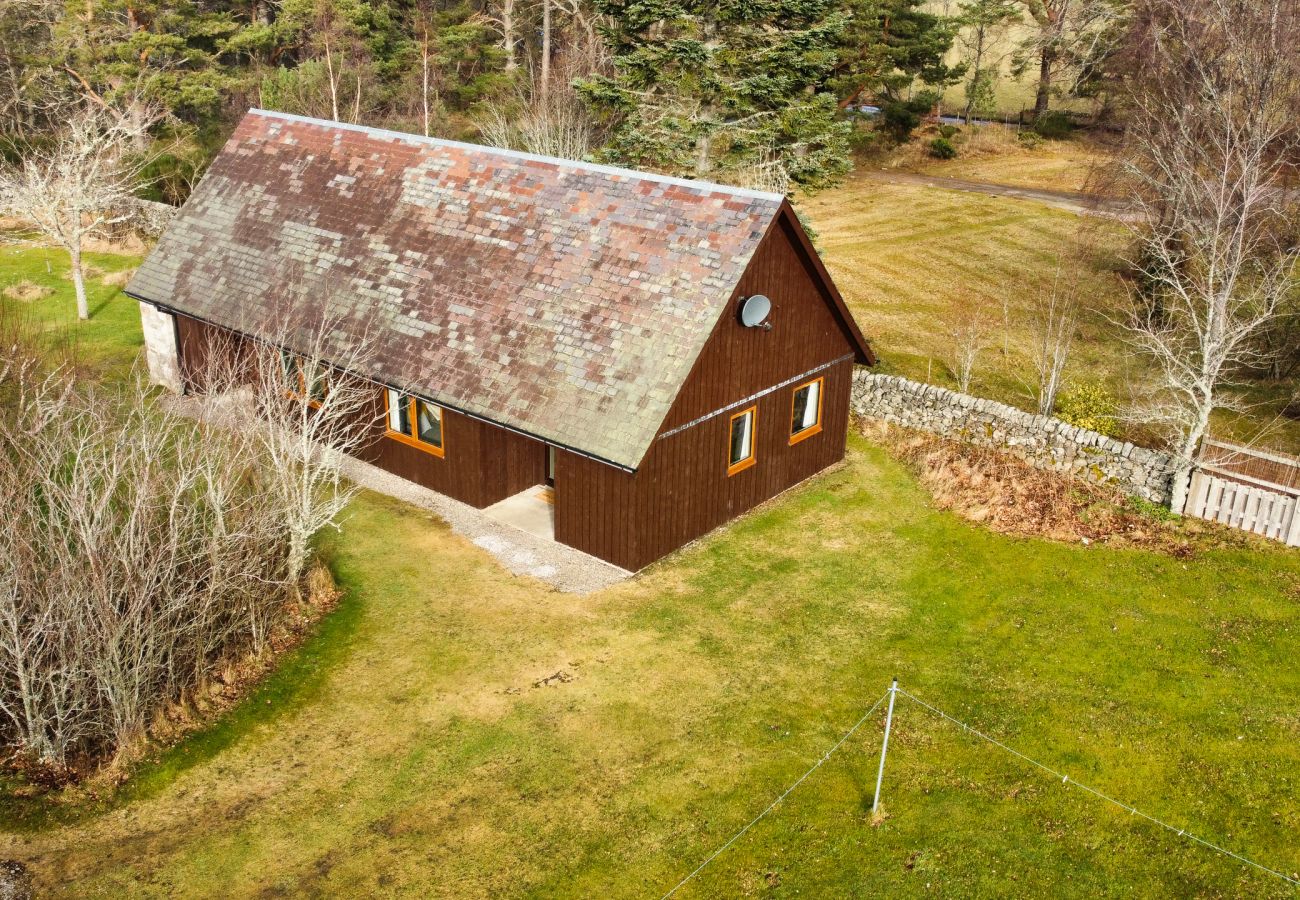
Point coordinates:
pixel 160 347
pixel 1041 440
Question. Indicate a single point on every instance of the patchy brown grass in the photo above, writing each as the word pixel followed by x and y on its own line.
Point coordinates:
pixel 27 291
pixel 117 279
pixel 406 751
pixel 995 155
pixel 1010 496
pixel 88 270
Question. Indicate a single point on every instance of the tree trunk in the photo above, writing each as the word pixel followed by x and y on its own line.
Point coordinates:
pixel 334 88
pixel 508 33
pixel 1192 439
pixel 79 282
pixel 974 83
pixel 1044 96
pixel 424 81
pixel 702 162
pixel 546 49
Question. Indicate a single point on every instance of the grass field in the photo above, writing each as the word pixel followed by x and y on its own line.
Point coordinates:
pixel 994 154
pixel 908 258
pixel 408 749
pixel 111 339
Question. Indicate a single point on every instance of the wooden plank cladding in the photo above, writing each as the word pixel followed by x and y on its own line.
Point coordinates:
pixel 739 361
pixel 688 482
pixel 482 463
pixel 682 490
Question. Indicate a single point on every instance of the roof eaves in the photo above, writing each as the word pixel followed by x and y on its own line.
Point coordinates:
pixel 862 346
pixel 404 388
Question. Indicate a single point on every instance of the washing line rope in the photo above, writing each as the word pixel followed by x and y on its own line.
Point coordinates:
pixel 1066 779
pixel 815 766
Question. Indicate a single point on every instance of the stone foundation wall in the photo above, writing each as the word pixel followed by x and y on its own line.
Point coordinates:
pixel 1041 440
pixel 160 347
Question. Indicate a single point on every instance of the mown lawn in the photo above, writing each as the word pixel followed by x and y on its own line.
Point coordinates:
pixel 110 340
pixel 406 749
pixel 909 258
pixel 996 155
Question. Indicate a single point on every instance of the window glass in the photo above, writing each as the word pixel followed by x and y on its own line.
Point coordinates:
pixel 429 420
pixel 807 407
pixel 399 412
pixel 316 384
pixel 289 365
pixel 742 437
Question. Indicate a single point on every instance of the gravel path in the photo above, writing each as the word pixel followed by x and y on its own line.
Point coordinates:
pixel 559 565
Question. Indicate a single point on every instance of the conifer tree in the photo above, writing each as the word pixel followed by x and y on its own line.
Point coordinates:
pixel 894 54
pixel 729 91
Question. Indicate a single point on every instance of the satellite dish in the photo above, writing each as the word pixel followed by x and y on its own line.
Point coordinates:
pixel 754 311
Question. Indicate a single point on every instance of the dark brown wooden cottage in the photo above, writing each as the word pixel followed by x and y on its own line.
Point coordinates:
pixel 539 320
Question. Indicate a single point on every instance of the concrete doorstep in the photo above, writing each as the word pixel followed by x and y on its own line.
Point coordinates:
pixel 508 530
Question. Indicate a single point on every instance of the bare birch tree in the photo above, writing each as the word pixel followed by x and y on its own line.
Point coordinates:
pixel 79 186
pixel 142 550
pixel 1053 322
pixel 551 123
pixel 138 550
pixel 312 410
pixel 1211 146
pixel 970 328
pixel 506 21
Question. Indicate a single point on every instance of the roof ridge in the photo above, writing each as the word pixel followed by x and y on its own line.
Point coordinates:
pixel 703 187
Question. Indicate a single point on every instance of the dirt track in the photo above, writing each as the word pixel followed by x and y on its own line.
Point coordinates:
pixel 1082 204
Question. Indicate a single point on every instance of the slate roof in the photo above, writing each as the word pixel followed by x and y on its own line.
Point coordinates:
pixel 564 299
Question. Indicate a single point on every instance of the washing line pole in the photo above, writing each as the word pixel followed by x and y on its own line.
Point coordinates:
pixel 884 747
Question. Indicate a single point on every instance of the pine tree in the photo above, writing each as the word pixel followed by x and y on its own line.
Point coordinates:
pixel 731 91
pixel 892 47
pixel 985 22
pixel 129 55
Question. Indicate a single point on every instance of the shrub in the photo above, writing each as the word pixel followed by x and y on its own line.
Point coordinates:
pixel 899 118
pixel 141 550
pixel 942 148
pixel 1030 140
pixel 1053 125
pixel 1089 405
pixel 949 131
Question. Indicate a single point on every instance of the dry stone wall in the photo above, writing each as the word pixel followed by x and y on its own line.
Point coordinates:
pixel 1041 440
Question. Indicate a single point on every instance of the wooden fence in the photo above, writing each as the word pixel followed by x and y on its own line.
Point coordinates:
pixel 1253 490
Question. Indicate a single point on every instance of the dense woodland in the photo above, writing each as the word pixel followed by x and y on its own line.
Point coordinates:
pixel 760 93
